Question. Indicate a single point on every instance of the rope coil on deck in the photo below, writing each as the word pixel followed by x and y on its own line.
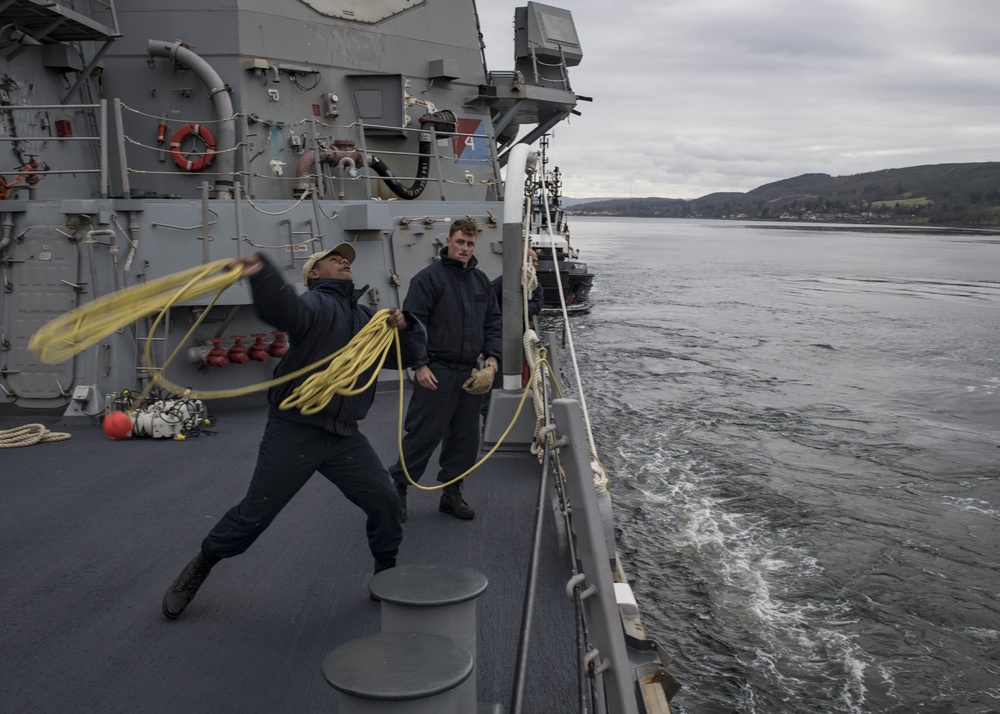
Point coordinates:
pixel 29 434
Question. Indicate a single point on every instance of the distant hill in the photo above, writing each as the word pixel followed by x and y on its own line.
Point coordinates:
pixel 937 194
pixel 567 202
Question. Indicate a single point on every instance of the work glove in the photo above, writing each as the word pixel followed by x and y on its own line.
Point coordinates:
pixel 481 380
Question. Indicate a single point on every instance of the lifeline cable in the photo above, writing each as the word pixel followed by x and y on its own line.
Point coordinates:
pixel 602 479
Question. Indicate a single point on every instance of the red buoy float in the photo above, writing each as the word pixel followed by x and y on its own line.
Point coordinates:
pixel 117 425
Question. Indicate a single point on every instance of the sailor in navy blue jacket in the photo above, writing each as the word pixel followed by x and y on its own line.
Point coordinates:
pixel 319 322
pixel 457 304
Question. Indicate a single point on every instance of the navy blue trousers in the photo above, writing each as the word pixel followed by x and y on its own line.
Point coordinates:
pixel 288 457
pixel 448 416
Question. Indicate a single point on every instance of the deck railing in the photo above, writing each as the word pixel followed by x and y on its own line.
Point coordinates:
pixel 30 173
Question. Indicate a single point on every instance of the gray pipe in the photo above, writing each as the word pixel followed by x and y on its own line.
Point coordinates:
pixel 133 229
pixel 223 102
pixel 7 231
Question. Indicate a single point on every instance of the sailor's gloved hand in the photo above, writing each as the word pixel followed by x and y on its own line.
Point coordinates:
pixel 481 380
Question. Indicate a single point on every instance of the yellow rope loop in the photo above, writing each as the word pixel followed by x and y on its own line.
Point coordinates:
pixel 29 434
pixel 347 365
pixel 486 456
pixel 78 329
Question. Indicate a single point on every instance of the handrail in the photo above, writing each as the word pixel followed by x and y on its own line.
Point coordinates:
pixel 599 596
pixel 87 166
pixel 531 588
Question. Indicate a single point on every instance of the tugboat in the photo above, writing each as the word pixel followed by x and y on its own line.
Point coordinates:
pixel 551 241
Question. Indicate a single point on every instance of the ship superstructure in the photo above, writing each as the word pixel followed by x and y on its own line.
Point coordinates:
pixel 146 137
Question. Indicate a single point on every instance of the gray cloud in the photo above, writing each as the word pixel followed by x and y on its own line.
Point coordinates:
pixel 697 96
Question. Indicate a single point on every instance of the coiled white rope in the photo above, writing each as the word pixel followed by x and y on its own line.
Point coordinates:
pixel 29 434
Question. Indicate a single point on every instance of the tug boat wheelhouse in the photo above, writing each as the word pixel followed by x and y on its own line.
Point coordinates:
pixel 559 266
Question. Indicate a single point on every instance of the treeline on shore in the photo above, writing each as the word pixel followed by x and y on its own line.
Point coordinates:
pixel 937 194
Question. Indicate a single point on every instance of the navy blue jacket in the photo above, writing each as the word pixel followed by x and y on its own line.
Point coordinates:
pixel 460 310
pixel 319 322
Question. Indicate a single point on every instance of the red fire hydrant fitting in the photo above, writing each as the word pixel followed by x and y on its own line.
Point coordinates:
pixel 279 346
pixel 237 353
pixel 257 351
pixel 217 356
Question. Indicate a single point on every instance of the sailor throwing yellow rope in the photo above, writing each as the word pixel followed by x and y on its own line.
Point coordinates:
pixel 313 421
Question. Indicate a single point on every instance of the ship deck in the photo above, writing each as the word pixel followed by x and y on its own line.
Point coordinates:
pixel 94 531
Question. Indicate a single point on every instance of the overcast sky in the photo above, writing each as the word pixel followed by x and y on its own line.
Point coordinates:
pixel 697 96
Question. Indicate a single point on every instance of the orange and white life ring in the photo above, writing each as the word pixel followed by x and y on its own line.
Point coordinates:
pixel 205 159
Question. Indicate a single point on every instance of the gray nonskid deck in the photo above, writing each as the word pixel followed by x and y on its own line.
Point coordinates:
pixel 94 531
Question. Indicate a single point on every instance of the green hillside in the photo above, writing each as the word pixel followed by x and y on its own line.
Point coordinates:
pixel 939 194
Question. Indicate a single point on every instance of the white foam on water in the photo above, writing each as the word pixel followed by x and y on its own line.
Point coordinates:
pixel 974 505
pixel 750 575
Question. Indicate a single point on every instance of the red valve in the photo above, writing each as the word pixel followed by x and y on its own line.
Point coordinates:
pixel 217 356
pixel 32 164
pixel 258 351
pixel 237 353
pixel 279 346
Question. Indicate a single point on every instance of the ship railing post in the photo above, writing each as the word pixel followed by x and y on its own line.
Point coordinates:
pixel 363 145
pixel 244 145
pixel 205 222
pixel 122 161
pixel 238 217
pixel 601 603
pixel 102 148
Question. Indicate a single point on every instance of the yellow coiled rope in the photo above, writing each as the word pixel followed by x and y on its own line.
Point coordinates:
pixel 368 347
pixel 78 329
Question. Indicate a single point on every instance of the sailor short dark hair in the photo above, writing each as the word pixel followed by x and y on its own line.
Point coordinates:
pixel 466 226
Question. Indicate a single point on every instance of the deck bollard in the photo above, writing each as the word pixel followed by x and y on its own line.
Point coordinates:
pixel 438 599
pixel 399 673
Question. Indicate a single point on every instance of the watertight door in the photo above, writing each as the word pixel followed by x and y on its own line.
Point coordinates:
pixel 41 284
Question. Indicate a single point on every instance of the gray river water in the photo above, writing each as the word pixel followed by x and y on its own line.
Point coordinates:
pixel 801 425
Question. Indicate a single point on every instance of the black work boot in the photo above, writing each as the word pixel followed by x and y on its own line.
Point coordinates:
pixel 401 490
pixel 453 503
pixel 383 561
pixel 183 589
